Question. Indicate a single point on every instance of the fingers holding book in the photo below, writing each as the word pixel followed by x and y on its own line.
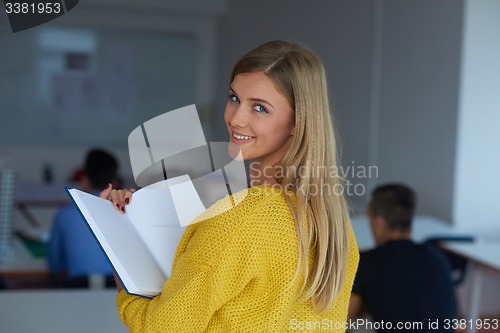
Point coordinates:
pixel 119 197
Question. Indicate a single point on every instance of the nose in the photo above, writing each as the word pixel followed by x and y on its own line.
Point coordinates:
pixel 238 117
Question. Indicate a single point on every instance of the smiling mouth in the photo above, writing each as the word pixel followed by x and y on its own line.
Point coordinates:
pixel 242 137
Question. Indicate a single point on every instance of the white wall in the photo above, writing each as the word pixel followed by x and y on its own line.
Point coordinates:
pixel 476 201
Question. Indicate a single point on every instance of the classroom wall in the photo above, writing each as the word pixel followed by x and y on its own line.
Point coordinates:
pixel 476 197
pixel 418 96
pixel 34 135
pixel 393 69
pixel 25 118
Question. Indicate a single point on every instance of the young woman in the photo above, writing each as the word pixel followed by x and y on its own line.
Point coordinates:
pixel 285 257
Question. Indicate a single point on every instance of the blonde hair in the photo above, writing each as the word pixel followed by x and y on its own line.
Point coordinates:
pixel 321 219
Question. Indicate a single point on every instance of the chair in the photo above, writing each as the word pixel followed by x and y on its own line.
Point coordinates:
pixel 458 264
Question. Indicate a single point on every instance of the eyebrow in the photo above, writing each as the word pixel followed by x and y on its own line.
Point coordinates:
pixel 253 99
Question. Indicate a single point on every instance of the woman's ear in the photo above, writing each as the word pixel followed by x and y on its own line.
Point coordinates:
pixel 292 132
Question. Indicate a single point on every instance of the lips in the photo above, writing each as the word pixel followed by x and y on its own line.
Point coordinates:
pixel 242 137
pixel 239 138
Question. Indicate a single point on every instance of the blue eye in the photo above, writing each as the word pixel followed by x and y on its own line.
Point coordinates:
pixel 233 98
pixel 259 108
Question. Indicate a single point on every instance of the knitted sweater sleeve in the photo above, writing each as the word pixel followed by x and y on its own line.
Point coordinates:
pixel 216 262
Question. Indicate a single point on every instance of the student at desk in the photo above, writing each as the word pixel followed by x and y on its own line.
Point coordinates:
pixel 74 254
pixel 400 281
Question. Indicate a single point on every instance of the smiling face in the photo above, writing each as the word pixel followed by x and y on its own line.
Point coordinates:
pixel 259 119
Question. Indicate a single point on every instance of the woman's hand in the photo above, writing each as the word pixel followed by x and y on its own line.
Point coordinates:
pixel 119 198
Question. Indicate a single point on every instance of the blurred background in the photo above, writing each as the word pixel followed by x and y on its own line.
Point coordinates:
pixel 414 84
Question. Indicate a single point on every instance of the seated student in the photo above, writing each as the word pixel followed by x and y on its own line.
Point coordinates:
pixel 400 281
pixel 74 254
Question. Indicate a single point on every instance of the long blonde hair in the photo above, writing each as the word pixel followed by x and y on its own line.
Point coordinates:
pixel 321 218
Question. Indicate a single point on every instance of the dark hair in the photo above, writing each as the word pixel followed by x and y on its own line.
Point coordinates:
pixel 396 204
pixel 100 167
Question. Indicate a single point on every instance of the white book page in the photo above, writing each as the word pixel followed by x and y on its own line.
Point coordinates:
pixel 127 252
pixel 154 216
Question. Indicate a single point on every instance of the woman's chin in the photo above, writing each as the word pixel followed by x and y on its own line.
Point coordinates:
pixel 235 152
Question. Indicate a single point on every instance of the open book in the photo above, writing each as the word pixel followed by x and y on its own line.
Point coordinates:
pixel 141 243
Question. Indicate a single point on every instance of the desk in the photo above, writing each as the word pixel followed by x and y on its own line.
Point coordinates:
pixel 482 255
pixel 423 228
pixel 60 311
pixel 21 260
pixel 22 267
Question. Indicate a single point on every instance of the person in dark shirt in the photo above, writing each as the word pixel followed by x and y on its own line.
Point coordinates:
pixel 402 285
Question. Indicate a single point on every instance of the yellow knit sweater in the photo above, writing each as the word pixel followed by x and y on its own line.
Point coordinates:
pixel 232 273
